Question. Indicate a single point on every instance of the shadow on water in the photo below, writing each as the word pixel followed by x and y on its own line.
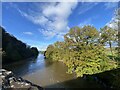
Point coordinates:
pixel 29 65
pixel 107 79
pixel 76 83
pixel 53 75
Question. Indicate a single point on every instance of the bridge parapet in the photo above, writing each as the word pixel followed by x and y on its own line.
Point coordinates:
pixel 10 81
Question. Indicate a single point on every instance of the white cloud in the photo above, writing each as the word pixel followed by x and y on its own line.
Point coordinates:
pixel 52 17
pixel 60 36
pixel 58 13
pixel 86 6
pixel 47 33
pixel 39 20
pixel 110 5
pixel 41 47
pixel 28 33
pixel 36 43
pixel 113 23
pixel 86 22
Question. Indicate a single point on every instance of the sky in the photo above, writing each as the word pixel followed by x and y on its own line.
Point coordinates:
pixel 40 24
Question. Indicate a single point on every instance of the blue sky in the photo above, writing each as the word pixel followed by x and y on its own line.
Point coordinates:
pixel 40 24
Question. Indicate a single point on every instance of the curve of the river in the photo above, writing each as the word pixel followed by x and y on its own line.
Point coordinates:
pixel 46 74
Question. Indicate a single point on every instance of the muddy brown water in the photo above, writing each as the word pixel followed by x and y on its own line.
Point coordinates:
pixel 46 74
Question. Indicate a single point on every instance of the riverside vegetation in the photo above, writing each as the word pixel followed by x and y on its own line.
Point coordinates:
pixel 83 51
pixel 15 50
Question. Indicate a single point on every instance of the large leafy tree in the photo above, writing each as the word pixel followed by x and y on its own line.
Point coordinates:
pixel 115 24
pixel 81 52
pixel 108 36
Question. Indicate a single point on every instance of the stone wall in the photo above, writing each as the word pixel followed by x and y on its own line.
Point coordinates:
pixel 9 81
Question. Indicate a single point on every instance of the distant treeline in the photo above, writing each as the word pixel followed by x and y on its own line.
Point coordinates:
pixel 42 52
pixel 14 49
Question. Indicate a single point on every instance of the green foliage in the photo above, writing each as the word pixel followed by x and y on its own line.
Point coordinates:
pixel 108 36
pixel 81 51
pixel 15 50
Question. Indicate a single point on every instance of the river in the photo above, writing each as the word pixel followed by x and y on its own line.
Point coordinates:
pixel 46 74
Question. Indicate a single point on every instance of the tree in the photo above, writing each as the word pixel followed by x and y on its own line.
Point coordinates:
pixel 49 52
pixel 115 24
pixel 81 52
pixel 14 49
pixel 108 36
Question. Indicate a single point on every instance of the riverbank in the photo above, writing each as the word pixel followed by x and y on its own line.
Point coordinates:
pixel 14 50
pixel 108 79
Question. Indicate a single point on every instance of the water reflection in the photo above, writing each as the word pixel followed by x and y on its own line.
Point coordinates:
pixel 40 71
pixel 46 74
pixel 27 66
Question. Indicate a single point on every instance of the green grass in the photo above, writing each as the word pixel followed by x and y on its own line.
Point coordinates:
pixel 108 52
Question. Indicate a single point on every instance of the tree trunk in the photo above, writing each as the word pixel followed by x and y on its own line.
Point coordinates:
pixel 111 49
